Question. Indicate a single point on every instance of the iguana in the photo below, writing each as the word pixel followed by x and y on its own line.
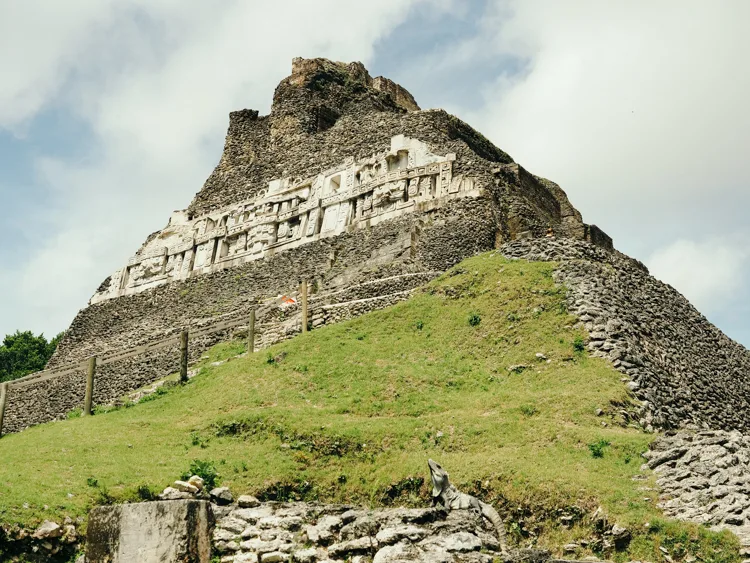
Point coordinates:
pixel 448 496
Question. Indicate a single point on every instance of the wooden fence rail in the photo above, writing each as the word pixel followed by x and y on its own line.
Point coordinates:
pixel 3 402
pixel 90 365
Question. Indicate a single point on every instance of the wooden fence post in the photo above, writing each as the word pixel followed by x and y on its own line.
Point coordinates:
pixel 303 292
pixel 89 399
pixel 3 402
pixel 184 356
pixel 251 332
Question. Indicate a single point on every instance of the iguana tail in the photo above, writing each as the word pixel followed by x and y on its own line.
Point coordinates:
pixel 491 514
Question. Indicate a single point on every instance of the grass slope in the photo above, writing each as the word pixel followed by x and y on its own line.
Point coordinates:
pixel 351 413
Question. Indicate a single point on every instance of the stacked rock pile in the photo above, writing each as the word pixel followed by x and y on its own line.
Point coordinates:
pixel 250 532
pixel 704 477
pixel 47 540
pixel 682 368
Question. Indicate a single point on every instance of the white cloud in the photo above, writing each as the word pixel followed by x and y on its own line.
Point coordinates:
pixel 641 103
pixel 638 109
pixel 154 81
pixel 710 273
pixel 40 44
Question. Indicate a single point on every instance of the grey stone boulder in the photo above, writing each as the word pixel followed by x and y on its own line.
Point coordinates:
pixel 389 536
pixel 170 493
pixel 398 553
pixel 458 542
pixel 232 524
pixel 621 536
pixel 248 501
pixel 308 555
pixel 186 487
pixel 48 530
pixel 150 532
pixel 274 557
pixel 197 482
pixel 221 496
pixel 352 547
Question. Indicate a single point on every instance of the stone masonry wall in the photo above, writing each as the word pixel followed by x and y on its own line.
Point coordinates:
pixel 432 241
pixel 35 401
pixel 704 477
pixel 684 369
pixel 307 533
pixel 45 400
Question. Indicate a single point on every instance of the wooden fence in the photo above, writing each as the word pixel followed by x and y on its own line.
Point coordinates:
pixel 93 362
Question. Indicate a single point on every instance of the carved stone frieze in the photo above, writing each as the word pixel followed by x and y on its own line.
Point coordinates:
pixel 293 211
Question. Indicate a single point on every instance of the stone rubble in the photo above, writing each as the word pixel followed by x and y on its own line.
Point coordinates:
pixel 704 477
pixel 48 530
pixel 221 496
pixel 48 539
pixel 682 368
pixel 308 533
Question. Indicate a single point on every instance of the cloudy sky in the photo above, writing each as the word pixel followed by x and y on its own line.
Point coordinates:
pixel 113 113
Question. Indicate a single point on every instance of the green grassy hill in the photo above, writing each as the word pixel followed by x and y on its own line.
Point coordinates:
pixel 482 370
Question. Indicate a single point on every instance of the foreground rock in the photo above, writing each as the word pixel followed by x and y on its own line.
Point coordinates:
pixel 150 532
pixel 704 477
pixel 309 533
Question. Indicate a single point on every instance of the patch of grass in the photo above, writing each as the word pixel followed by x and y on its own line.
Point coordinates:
pixel 157 394
pixel 597 448
pixel 288 423
pixel 474 319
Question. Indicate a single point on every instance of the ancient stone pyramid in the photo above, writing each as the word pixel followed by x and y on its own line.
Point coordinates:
pixel 349 185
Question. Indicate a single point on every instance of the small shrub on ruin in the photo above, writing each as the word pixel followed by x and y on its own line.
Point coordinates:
pixel 579 345
pixel 204 469
pixel 159 392
pixel 597 448
pixel 145 493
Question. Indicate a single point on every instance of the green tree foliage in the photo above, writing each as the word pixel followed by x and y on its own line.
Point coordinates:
pixel 23 353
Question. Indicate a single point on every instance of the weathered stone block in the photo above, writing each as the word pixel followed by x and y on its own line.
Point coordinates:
pixel 151 532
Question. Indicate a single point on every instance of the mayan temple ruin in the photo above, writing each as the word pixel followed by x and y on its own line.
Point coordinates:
pixel 348 198
pixel 348 185
pixel 342 153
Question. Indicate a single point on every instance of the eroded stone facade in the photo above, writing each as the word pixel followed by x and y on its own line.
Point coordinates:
pixel 294 211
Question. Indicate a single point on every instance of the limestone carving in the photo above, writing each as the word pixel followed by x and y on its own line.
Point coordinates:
pixel 292 211
pixel 448 496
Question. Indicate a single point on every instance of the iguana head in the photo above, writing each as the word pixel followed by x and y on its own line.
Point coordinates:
pixel 439 478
